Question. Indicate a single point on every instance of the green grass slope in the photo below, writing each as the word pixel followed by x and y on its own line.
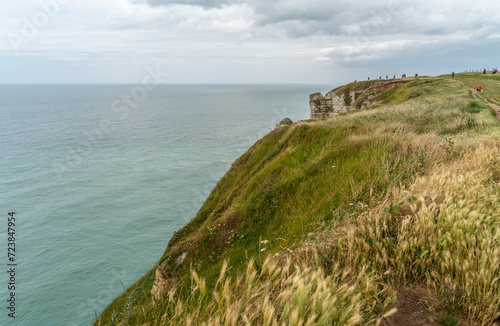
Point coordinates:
pixel 322 222
pixel 490 83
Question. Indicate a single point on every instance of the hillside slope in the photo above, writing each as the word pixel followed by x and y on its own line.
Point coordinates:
pixel 325 222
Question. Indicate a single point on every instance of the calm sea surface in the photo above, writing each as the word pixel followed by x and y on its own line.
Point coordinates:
pixel 101 176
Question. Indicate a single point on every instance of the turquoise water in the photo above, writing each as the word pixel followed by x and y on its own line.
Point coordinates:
pixel 99 184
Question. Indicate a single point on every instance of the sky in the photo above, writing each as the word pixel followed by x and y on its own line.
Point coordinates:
pixel 243 41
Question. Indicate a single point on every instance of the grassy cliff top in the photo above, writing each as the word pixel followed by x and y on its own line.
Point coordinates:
pixel 334 222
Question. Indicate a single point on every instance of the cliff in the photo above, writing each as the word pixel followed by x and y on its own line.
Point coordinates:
pixel 350 97
pixel 331 104
pixel 341 221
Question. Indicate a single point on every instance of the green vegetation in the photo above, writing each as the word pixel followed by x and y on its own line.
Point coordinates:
pixel 374 90
pixel 490 83
pixel 447 321
pixel 321 222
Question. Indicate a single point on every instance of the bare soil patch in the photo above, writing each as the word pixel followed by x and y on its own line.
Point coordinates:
pixel 413 309
pixel 418 306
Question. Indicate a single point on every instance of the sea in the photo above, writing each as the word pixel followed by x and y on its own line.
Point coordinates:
pixel 94 180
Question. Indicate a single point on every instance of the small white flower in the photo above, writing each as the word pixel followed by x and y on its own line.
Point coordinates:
pixel 264 241
pixel 334 166
pixel 310 234
pixel 263 249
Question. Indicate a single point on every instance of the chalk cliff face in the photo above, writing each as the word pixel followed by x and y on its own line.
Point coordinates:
pixel 331 104
pixel 350 97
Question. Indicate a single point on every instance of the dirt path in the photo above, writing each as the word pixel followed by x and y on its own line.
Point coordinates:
pixel 412 310
pixel 417 306
pixel 492 103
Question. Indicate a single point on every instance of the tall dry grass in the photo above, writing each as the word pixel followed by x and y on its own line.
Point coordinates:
pixel 441 232
pixel 280 292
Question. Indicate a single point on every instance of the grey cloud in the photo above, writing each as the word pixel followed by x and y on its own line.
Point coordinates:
pixel 199 3
pixel 318 17
pixel 270 13
pixel 298 18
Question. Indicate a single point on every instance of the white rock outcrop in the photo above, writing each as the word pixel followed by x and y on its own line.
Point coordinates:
pixel 331 104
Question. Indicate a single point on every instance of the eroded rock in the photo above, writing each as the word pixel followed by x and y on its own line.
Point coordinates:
pixel 331 104
pixel 160 286
pixel 284 122
pixel 181 258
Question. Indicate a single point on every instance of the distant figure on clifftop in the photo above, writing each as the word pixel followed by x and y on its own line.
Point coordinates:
pixel 484 72
pixel 479 88
pixel 453 75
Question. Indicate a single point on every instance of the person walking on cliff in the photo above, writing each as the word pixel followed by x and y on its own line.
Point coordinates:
pixel 453 75
pixel 479 88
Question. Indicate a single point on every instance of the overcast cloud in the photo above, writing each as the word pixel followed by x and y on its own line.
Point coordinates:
pixel 219 41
